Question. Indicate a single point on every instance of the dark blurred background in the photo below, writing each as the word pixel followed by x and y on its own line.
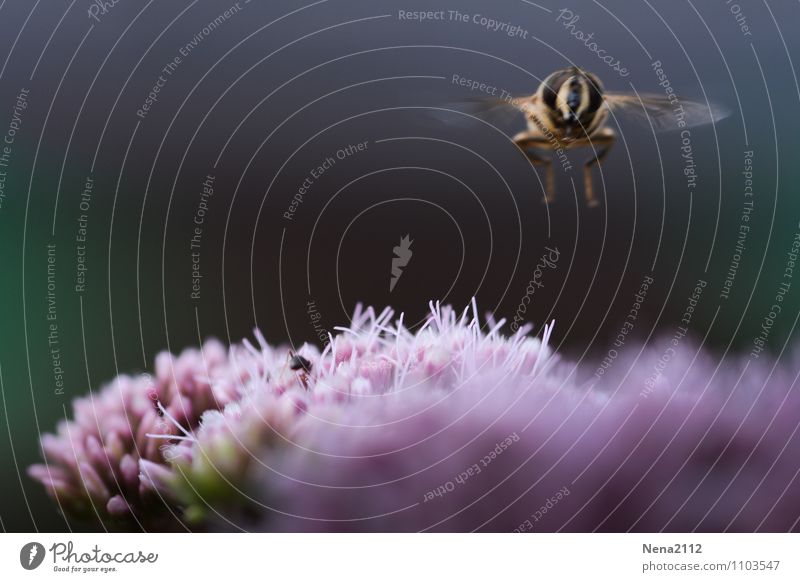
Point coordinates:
pixel 264 93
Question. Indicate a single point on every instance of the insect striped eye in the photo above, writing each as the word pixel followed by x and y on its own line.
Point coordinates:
pixel 552 85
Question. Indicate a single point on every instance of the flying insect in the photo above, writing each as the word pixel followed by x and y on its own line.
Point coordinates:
pixel 570 110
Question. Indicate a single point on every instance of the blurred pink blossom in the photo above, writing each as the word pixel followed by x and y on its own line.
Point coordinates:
pixel 450 427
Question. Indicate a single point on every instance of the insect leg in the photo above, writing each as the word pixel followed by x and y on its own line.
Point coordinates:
pixel 605 140
pixel 525 141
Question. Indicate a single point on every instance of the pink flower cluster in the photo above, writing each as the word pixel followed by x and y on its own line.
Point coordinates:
pixel 449 427
pixel 102 465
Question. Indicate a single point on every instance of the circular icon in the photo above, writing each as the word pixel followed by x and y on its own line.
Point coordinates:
pixel 31 555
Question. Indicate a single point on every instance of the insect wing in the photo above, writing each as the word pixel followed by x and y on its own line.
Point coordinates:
pixel 482 110
pixel 663 114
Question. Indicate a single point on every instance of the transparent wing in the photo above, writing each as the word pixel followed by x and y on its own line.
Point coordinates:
pixel 498 112
pixel 663 114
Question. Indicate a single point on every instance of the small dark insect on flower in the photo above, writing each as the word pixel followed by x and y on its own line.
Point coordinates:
pixel 298 363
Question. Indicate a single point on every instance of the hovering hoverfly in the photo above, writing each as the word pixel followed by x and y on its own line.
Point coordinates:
pixel 570 110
